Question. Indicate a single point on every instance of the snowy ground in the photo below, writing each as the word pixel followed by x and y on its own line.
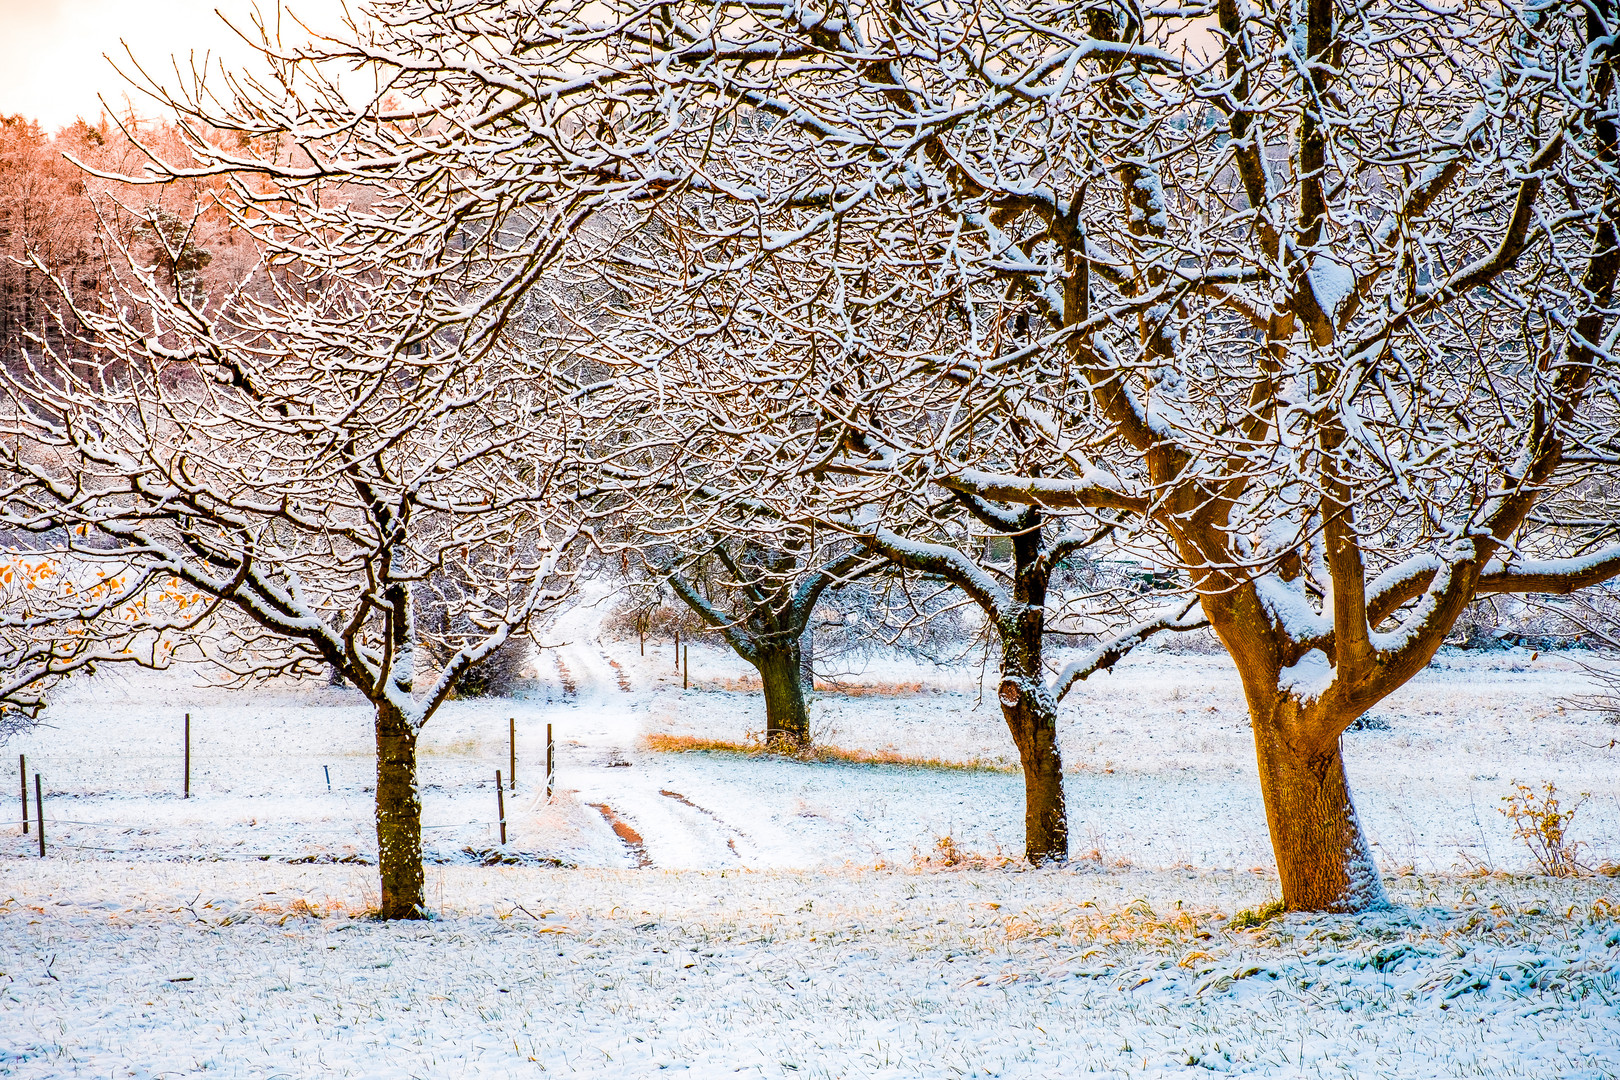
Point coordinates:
pixel 225 969
pixel 817 942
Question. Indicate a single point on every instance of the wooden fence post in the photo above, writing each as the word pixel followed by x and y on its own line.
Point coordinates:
pixel 551 763
pixel 511 745
pixel 188 755
pixel 22 767
pixel 500 805
pixel 39 813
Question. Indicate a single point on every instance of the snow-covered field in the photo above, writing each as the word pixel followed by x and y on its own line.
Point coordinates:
pixel 219 969
pixel 785 919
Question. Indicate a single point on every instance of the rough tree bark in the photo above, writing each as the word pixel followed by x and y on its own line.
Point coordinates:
pixel 1027 705
pixel 1017 614
pixel 399 819
pixel 787 717
pixel 1031 714
pixel 1323 858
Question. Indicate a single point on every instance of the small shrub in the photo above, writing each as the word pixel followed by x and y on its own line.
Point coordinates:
pixel 14 722
pixel 445 627
pixel 1369 722
pixel 498 674
pixel 1543 825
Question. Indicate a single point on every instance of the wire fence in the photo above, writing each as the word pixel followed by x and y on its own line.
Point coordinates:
pixel 147 828
pixel 116 825
pixel 58 844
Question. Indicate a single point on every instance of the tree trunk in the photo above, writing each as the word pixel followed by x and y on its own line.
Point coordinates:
pixel 1032 718
pixel 807 658
pixel 1322 855
pixel 399 819
pixel 787 720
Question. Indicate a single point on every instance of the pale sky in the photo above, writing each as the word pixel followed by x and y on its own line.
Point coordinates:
pixel 51 65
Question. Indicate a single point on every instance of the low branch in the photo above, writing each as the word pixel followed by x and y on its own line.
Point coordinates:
pixel 1097 491
pixel 1120 646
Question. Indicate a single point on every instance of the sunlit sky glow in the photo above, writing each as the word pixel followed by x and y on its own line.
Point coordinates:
pixel 51 51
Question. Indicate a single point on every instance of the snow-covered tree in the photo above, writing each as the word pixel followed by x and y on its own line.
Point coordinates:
pixel 265 486
pixel 759 596
pixel 1318 294
pixel 1342 380
pixel 770 396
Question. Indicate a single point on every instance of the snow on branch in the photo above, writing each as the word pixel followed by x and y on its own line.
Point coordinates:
pixel 1096 490
pixel 1176 617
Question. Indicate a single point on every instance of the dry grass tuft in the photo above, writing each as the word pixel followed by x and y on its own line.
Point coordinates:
pixel 1136 923
pixel 1249 918
pixel 749 683
pixel 753 746
pixel 949 855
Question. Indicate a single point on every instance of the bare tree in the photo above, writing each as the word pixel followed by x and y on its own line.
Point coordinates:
pixel 875 397
pixel 294 486
pixel 760 598
pixel 1014 596
pixel 1339 384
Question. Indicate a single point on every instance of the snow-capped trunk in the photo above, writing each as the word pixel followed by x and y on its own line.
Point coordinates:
pixel 399 818
pixel 787 718
pixel 1323 857
pixel 1031 715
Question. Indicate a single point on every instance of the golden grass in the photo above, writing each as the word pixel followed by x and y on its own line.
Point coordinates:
pixel 751 684
pixel 877 689
pixel 664 743
pixel 1137 923
pixel 305 909
pixel 949 855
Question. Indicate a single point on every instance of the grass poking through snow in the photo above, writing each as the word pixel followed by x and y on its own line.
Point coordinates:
pixel 664 743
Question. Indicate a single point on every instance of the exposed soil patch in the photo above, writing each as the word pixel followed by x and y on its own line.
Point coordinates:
pixel 627 836
pixel 569 686
pixel 618 672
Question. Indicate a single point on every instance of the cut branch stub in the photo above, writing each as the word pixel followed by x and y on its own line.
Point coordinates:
pixel 1010 695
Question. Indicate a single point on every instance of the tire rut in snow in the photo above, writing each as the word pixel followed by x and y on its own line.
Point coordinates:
pixel 619 672
pixel 731 841
pixel 627 836
pixel 568 684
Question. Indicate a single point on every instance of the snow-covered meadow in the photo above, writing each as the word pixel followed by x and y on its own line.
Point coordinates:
pixel 771 917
